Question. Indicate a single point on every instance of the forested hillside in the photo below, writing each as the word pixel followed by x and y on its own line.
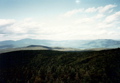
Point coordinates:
pixel 60 67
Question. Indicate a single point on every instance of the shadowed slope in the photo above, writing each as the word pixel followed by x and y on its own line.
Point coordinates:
pixel 67 67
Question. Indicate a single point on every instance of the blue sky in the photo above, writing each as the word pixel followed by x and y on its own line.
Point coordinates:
pixel 59 19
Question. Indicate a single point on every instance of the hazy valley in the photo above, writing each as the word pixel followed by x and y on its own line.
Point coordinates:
pixel 80 44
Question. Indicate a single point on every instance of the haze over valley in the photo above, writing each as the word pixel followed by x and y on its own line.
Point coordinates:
pixel 79 44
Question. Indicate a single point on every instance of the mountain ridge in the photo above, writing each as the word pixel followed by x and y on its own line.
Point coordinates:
pixel 81 44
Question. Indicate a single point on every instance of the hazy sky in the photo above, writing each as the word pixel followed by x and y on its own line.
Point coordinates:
pixel 59 19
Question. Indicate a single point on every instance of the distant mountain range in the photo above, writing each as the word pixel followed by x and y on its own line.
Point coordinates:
pixel 81 44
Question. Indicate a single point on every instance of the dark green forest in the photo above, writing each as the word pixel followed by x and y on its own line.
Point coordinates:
pixel 45 66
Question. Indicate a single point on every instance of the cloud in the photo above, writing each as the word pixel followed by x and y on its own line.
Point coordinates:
pixel 4 22
pixel 94 23
pixel 98 16
pixel 106 8
pixel 102 9
pixel 113 18
pixel 90 10
pixel 28 19
pixel 26 26
pixel 73 12
pixel 100 24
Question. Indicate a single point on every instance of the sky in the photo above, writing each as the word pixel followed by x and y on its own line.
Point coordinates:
pixel 59 19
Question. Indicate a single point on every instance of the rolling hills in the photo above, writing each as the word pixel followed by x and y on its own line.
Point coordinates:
pixel 47 66
pixel 81 44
